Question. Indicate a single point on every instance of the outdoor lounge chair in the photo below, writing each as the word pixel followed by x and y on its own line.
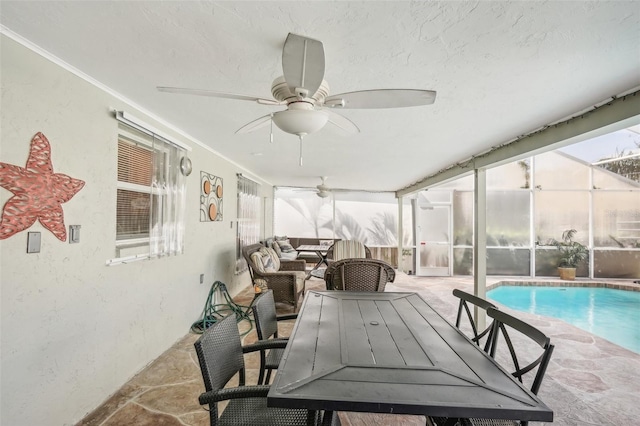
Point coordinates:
pixel 284 277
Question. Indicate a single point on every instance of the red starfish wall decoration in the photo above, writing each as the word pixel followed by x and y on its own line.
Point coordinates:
pixel 38 192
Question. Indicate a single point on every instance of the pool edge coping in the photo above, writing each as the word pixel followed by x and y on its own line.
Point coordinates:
pixel 579 283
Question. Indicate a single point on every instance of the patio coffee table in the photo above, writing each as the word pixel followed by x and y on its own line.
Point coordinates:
pixel 318 273
pixel 321 251
pixel 392 353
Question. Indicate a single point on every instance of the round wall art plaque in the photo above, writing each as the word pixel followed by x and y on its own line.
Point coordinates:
pixel 210 197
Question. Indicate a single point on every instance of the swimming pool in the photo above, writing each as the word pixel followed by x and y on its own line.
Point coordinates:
pixel 611 314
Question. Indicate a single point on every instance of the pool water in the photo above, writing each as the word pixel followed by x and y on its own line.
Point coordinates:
pixel 611 314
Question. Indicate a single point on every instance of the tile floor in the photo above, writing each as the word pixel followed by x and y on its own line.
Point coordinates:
pixel 589 381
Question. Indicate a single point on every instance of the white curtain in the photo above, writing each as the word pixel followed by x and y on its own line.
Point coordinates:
pixel 168 195
pixel 248 229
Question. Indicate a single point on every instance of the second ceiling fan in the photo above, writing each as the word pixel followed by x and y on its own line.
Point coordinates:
pixel 304 91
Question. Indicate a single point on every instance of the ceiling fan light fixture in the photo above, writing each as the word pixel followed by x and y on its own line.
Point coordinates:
pixel 300 121
pixel 323 194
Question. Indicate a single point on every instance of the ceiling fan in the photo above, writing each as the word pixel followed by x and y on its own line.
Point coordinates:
pixel 304 91
pixel 323 190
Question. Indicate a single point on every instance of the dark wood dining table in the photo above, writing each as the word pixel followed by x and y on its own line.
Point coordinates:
pixel 392 353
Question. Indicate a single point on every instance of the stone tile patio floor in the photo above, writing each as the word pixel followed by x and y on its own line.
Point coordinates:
pixel 590 381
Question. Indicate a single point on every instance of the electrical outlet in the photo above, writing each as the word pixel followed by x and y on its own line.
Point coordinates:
pixel 201 278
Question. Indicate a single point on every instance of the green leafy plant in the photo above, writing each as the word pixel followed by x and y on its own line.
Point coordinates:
pixel 571 252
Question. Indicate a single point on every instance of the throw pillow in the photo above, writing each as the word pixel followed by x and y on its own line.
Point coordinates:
pixel 256 259
pixel 275 259
pixel 267 259
pixel 286 246
pixel 276 247
pixel 282 238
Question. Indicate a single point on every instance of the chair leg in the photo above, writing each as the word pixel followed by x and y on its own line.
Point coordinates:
pixel 268 378
pixel 331 418
pixel 262 363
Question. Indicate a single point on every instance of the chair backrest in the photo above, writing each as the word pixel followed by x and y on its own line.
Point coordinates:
pixel 219 352
pixel 264 314
pixel 359 275
pixel 463 306
pixel 348 249
pixel 502 325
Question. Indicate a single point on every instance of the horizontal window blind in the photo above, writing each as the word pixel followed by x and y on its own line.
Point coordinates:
pixel 135 162
pixel 132 215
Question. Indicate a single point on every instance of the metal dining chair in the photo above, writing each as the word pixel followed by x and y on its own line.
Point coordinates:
pixel 467 299
pixel 528 337
pixel 463 306
pixel 220 355
pixel 264 315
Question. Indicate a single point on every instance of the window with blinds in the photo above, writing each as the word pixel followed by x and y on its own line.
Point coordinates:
pixel 151 194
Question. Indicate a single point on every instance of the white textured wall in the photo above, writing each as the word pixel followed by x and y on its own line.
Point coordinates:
pixel 73 329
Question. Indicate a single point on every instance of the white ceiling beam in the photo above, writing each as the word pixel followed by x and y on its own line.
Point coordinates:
pixel 617 114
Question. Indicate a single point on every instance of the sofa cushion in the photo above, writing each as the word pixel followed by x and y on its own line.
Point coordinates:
pixel 289 256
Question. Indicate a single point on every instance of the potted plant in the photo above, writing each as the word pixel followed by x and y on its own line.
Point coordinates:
pixel 571 254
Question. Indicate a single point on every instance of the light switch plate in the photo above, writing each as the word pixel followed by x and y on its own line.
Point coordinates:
pixel 74 234
pixel 33 242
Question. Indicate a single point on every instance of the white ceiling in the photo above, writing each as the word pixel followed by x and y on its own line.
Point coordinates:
pixel 501 69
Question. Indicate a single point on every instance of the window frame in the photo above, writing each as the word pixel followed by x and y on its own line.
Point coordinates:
pixel 167 154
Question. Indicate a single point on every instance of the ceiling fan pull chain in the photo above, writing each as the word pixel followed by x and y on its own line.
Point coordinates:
pixel 300 150
pixel 271 130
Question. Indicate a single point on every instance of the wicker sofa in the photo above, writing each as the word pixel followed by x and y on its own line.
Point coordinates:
pixel 310 257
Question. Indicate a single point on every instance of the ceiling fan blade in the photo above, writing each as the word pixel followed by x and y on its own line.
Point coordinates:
pixel 381 98
pixel 255 124
pixel 303 64
pixel 343 122
pixel 201 92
